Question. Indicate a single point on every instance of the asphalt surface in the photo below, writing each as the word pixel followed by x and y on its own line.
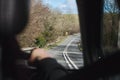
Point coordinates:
pixel 67 52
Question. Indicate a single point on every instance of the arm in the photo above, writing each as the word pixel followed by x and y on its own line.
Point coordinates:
pixel 47 67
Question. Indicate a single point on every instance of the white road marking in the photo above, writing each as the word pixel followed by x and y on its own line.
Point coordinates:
pixel 70 66
pixel 67 57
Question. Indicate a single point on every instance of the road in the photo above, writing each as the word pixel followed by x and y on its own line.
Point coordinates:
pixel 67 52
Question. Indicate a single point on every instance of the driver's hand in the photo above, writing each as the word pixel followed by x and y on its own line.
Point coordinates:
pixel 38 54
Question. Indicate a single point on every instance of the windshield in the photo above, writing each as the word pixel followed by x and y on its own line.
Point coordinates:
pixel 54 25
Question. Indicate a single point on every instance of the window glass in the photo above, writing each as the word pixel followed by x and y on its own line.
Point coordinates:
pixel 111 29
pixel 54 25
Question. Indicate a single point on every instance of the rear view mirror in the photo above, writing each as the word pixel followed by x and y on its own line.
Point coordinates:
pixel 13 16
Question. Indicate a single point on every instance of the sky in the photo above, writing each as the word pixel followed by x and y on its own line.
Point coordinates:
pixel 65 6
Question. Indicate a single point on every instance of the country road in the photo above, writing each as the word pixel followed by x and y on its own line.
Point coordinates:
pixel 67 52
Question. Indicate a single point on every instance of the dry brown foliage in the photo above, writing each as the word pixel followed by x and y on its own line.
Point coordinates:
pixel 41 15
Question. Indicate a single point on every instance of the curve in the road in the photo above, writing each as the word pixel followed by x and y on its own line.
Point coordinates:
pixel 70 63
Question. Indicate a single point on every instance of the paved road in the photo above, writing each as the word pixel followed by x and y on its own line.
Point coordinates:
pixel 67 52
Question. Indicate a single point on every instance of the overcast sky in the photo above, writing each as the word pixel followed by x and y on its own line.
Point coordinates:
pixel 65 6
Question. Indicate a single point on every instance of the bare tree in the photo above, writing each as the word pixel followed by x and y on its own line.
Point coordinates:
pixel 46 24
pixel 38 14
pixel 111 23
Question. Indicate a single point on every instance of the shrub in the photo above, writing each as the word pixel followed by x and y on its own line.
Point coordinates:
pixel 40 41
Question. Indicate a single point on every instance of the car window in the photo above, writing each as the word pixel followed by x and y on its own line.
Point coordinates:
pixel 54 25
pixel 111 26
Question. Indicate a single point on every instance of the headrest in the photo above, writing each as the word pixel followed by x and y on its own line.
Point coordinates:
pixel 13 16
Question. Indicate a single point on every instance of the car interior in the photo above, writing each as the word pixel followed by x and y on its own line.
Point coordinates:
pixel 13 19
